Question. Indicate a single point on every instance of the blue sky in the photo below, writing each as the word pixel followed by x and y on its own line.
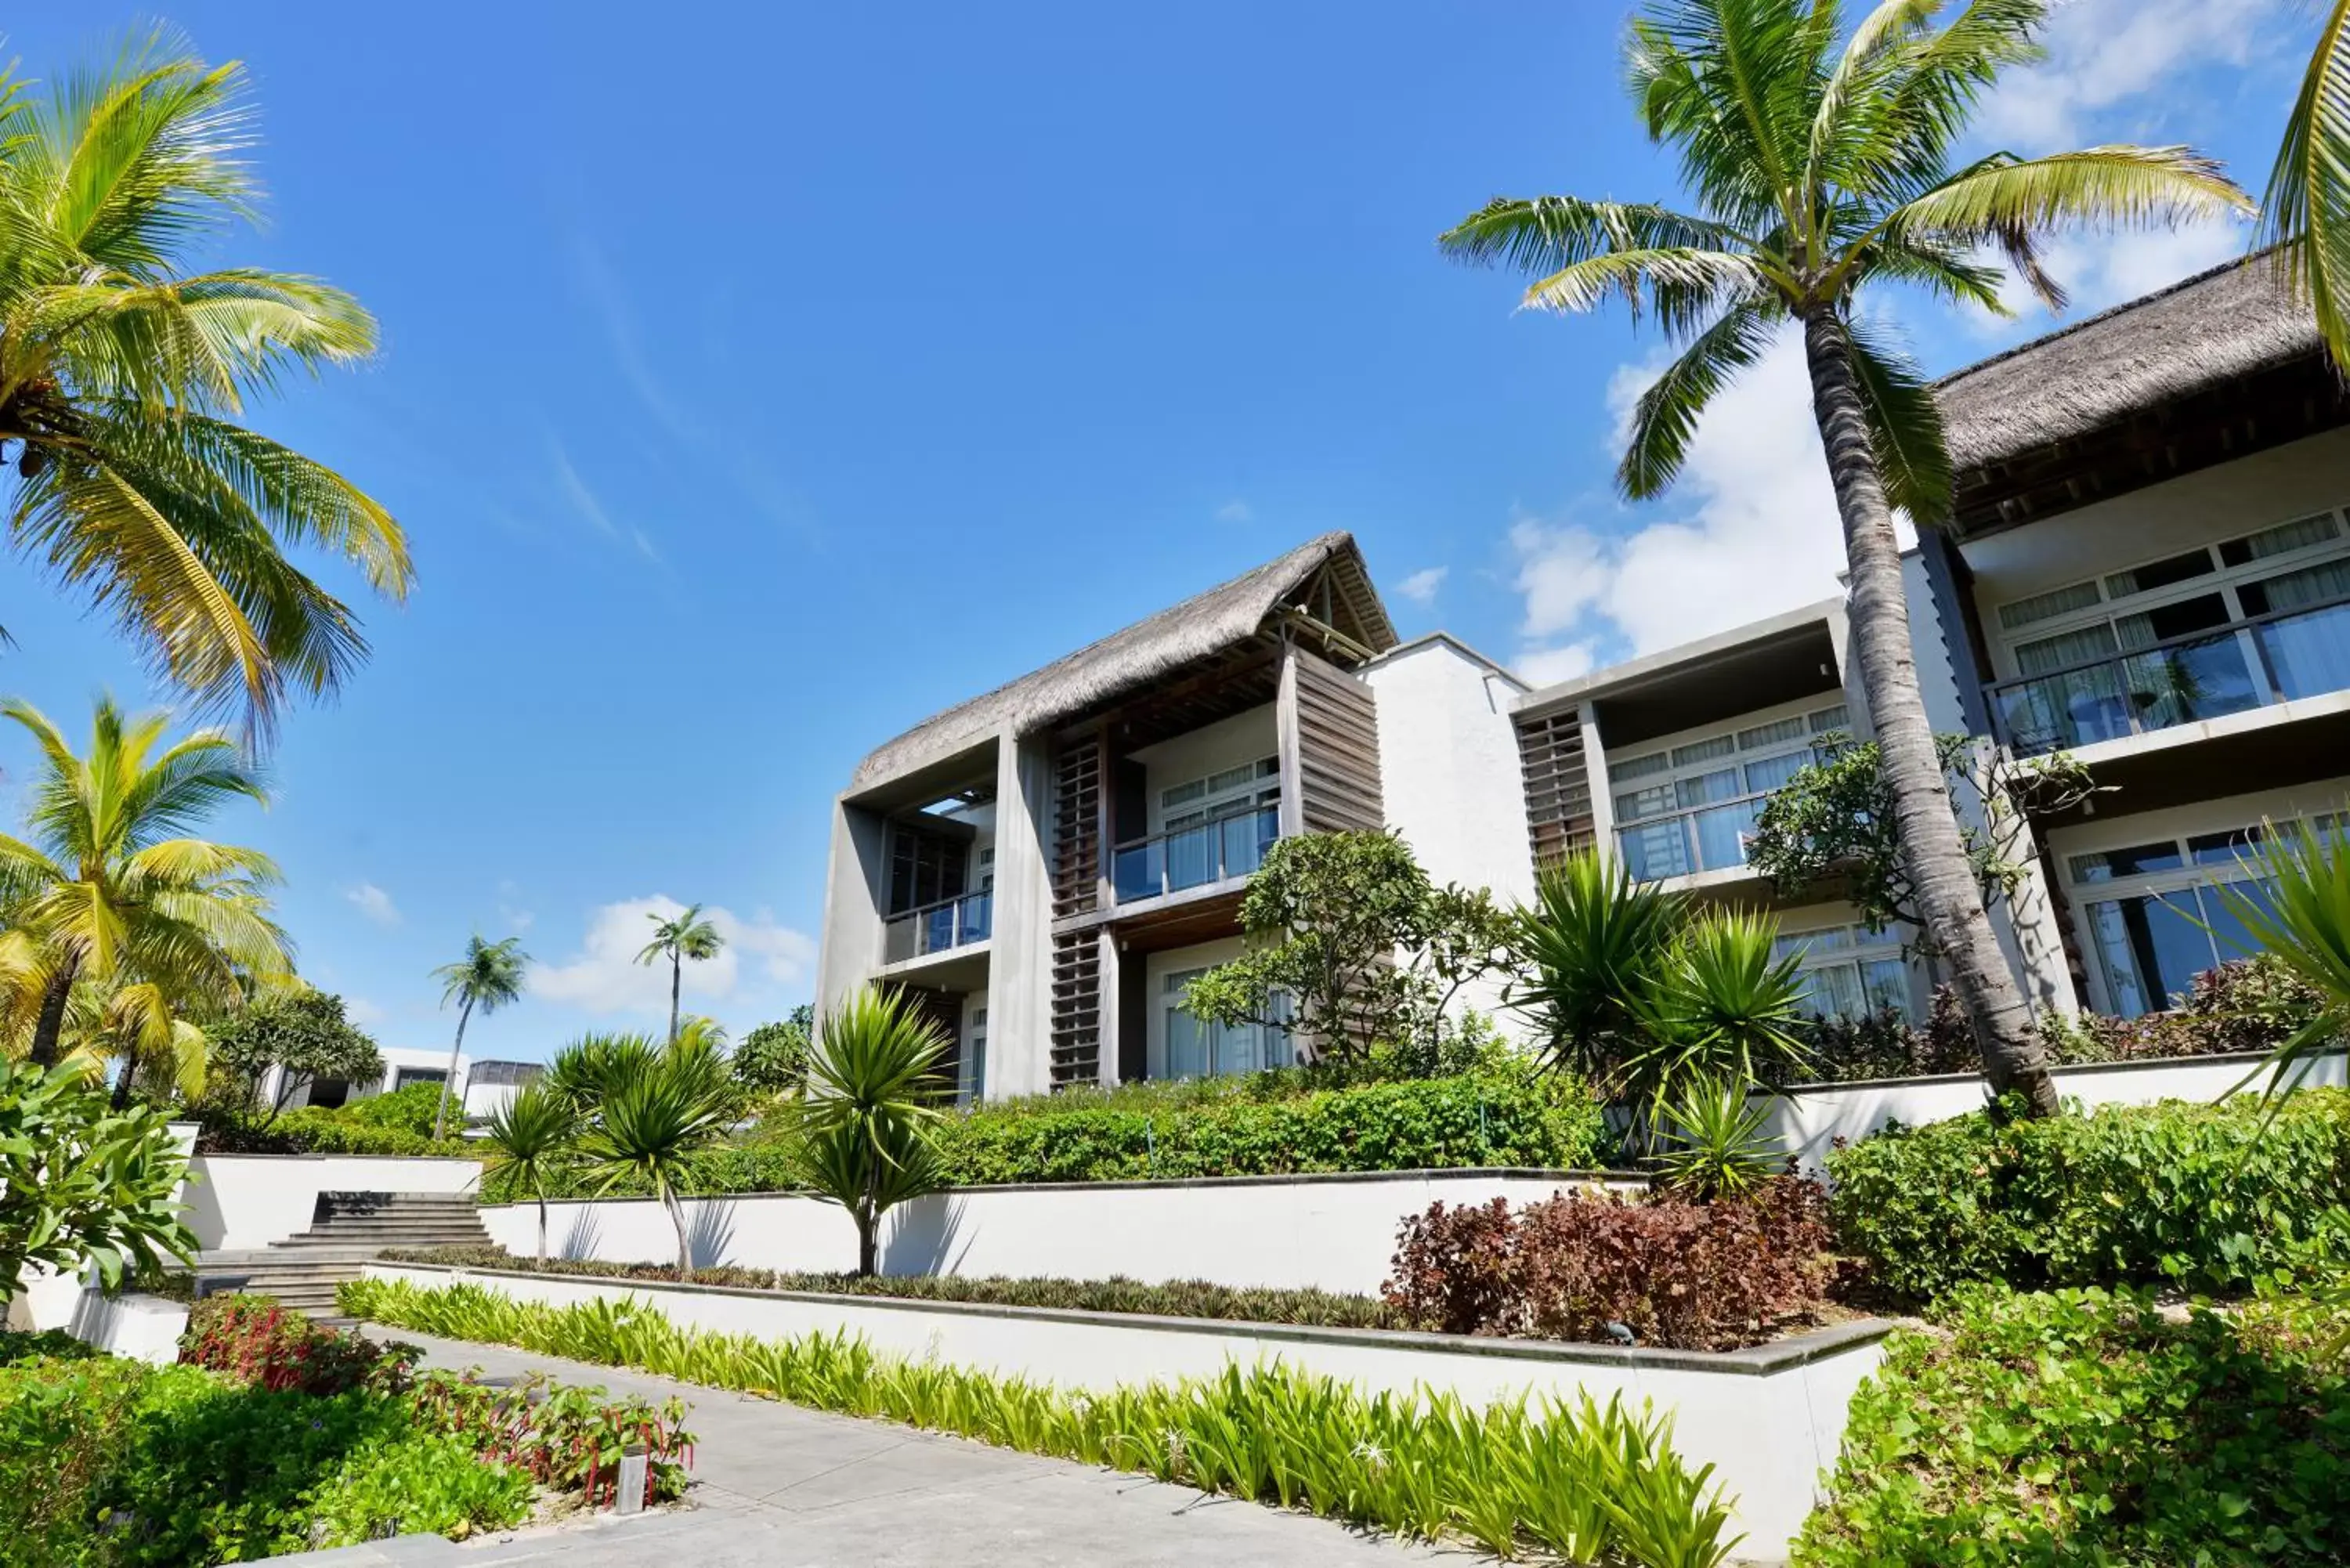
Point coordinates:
pixel 758 379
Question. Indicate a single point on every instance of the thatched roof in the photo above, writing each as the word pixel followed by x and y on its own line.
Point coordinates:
pixel 1126 662
pixel 2236 319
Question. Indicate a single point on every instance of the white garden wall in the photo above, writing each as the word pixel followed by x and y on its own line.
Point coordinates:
pixel 1769 1419
pixel 1324 1232
pixel 241 1200
pixel 1807 1121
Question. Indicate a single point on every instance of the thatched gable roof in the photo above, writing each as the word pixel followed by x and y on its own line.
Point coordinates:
pixel 2195 335
pixel 1126 662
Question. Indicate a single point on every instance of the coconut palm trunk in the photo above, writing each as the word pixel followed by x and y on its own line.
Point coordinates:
pixel 449 1081
pixel 1958 926
pixel 49 1029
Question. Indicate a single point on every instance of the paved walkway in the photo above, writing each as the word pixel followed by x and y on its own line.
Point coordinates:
pixel 780 1485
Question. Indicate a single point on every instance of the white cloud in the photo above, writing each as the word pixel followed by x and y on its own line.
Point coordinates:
pixel 374 903
pixel 1421 586
pixel 605 978
pixel 1755 532
pixel 366 1014
pixel 1235 511
pixel 2103 53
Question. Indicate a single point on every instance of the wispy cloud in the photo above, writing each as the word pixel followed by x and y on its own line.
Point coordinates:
pixel 374 903
pixel 1421 586
pixel 750 974
pixel 590 508
pixel 1234 511
pixel 2101 54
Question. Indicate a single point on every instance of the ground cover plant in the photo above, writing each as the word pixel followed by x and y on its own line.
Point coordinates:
pixel 2091 1427
pixel 1176 1298
pixel 2212 1197
pixel 1673 1273
pixel 1585 1483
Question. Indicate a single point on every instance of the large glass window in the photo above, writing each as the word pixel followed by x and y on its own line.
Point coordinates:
pixel 1194 1049
pixel 1694 805
pixel 1849 971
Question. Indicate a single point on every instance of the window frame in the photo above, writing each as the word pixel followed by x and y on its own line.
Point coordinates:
pixel 1863 948
pixel 1809 712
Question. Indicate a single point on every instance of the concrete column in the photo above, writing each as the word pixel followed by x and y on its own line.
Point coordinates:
pixel 855 892
pixel 1113 1014
pixel 1020 963
pixel 1594 775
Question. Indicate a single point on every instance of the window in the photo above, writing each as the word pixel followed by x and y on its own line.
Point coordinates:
pixel 1218 827
pixel 1849 971
pixel 2157 914
pixel 483 1074
pixel 1707 793
pixel 1193 1049
pixel 2194 635
pixel 326 1093
pixel 407 1075
pixel 973 1077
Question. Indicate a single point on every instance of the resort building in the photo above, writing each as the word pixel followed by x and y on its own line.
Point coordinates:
pixel 2149 568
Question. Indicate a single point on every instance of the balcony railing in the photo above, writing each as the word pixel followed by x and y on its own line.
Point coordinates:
pixel 936 928
pixel 2249 663
pixel 1706 839
pixel 1200 856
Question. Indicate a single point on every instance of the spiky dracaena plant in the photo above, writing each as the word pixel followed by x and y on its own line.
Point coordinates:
pixel 1592 943
pixel 649 1122
pixel 533 1138
pixel 1818 158
pixel 123 375
pixel 873 1096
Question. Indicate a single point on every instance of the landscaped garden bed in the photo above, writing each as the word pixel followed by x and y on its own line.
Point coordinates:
pixel 274 1435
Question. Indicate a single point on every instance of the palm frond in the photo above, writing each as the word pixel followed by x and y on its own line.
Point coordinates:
pixel 1542 233
pixel 2308 200
pixel 1905 424
pixel 1682 284
pixel 2097 187
pixel 1666 416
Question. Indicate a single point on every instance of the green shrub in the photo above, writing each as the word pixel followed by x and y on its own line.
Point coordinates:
pixel 2210 1197
pixel 1586 1483
pixel 2087 1427
pixel 312 1131
pixel 1176 1298
pixel 408 1109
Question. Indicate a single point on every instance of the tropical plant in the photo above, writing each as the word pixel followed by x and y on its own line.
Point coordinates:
pixel 122 375
pixel 1723 1006
pixel 2306 211
pixel 137 1026
pixel 488 977
pixel 1819 159
pixel 1718 1143
pixel 2300 920
pixel 82 1182
pixel 647 1124
pixel 588 1069
pixel 109 886
pixel 302 1034
pixel 678 937
pixel 773 1058
pixel 531 1139
pixel 872 1102
pixel 1592 943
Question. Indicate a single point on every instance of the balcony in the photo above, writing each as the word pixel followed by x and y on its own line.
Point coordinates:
pixel 1201 854
pixel 937 928
pixel 1688 842
pixel 2254 662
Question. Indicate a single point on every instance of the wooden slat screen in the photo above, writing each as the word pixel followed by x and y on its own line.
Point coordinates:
pixel 1558 786
pixel 1338 750
pixel 1077 825
pixel 1076 1008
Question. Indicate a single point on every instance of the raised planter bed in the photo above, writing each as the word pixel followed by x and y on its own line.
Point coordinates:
pixel 1323 1232
pixel 1769 1419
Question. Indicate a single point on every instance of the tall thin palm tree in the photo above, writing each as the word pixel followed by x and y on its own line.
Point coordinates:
pixel 2307 211
pixel 1819 159
pixel 688 936
pixel 110 891
pixel 488 977
pixel 124 375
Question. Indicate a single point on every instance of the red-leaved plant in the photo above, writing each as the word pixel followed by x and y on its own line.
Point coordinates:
pixel 254 1341
pixel 1690 1276
pixel 565 1438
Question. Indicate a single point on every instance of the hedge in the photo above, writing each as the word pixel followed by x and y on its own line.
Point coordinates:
pixel 2212 1198
pixel 2091 1427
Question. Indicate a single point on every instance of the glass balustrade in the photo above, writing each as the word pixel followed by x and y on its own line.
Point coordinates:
pixel 936 928
pixel 1200 854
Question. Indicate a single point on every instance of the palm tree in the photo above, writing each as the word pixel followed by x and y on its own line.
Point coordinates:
pixel 123 375
pixel 688 936
pixel 2307 211
pixel 489 977
pixel 531 1137
pixel 1820 164
pixel 865 1121
pixel 650 1122
pixel 110 892
pixel 137 1024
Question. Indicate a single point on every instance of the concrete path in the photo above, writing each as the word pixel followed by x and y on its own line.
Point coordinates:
pixel 776 1484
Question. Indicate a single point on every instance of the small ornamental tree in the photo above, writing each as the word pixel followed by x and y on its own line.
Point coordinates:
pixel 82 1182
pixel 1835 822
pixel 773 1059
pixel 1351 945
pixel 303 1031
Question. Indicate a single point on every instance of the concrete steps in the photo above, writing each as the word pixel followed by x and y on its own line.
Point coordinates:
pixel 348 1230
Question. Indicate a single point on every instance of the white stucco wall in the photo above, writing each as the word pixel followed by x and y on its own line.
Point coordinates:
pixel 1806 1123
pixel 1448 770
pixel 240 1201
pixel 1767 1435
pixel 1930 649
pixel 1334 1234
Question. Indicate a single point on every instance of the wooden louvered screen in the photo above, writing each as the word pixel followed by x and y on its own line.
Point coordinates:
pixel 1338 750
pixel 1558 786
pixel 1077 825
pixel 1076 1008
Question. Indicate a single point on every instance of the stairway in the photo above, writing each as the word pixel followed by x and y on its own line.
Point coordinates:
pixel 347 1229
